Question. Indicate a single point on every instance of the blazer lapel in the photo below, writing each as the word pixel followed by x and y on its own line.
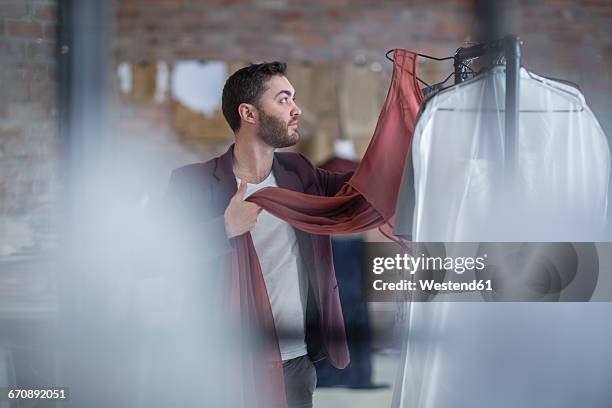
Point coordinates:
pixel 225 185
pixel 286 178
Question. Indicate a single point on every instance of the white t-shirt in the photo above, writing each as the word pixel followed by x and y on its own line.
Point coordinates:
pixel 280 260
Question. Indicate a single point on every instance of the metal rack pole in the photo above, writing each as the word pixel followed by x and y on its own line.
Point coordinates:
pixel 510 47
pixel 512 51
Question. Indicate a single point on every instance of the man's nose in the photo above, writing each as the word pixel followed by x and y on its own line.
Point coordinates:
pixel 296 111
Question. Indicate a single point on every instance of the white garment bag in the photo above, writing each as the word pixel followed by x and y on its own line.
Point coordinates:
pixel 561 174
pixel 482 354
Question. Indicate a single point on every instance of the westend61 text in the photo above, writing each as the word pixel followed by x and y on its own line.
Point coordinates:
pixel 430 284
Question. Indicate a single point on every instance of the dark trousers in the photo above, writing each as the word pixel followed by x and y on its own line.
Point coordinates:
pixel 300 382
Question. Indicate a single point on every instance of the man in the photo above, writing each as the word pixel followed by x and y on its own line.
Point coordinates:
pixel 260 107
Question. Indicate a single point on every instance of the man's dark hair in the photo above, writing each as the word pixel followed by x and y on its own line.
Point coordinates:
pixel 246 86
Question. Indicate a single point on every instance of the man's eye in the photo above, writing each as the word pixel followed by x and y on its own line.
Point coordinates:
pixel 284 100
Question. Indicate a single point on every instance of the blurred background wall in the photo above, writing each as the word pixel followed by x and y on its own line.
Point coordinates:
pixel 29 141
pixel 565 39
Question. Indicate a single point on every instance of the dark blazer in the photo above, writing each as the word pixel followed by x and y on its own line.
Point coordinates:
pixel 200 193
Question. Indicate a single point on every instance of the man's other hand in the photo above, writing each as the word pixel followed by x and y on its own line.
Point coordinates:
pixel 240 216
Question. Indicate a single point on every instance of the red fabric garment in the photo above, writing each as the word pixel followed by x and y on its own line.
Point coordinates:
pixel 366 201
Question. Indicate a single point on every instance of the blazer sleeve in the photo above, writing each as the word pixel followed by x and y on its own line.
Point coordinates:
pixel 329 182
pixel 332 182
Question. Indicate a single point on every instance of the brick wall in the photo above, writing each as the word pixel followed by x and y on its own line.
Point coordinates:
pixel 314 31
pixel 563 38
pixel 28 123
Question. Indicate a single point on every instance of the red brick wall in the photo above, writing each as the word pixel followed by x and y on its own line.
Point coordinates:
pixel 28 121
pixel 314 31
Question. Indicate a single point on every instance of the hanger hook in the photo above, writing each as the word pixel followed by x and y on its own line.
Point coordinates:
pixel 387 55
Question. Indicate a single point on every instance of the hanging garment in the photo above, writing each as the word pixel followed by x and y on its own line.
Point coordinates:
pixel 358 114
pixel 505 355
pixel 453 188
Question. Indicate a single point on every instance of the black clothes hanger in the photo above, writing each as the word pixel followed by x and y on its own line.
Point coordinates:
pixel 420 55
pixel 438 85
pixel 493 54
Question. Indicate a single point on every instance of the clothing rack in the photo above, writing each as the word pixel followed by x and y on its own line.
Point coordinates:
pixel 510 48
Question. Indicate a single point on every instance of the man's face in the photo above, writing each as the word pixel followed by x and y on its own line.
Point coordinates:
pixel 278 114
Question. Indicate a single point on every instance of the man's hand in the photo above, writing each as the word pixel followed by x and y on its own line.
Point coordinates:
pixel 240 216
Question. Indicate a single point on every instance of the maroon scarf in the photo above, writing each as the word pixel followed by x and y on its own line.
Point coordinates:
pixel 366 201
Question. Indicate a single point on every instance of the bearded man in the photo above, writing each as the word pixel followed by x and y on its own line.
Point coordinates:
pixel 259 104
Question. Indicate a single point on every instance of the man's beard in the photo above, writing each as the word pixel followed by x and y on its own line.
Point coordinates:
pixel 274 132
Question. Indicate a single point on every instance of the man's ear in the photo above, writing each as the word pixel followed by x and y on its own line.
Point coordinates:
pixel 247 113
